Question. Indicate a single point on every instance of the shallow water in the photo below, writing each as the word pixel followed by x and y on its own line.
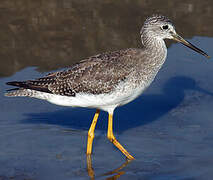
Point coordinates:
pixel 168 129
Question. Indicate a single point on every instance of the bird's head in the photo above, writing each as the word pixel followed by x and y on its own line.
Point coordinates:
pixel 160 27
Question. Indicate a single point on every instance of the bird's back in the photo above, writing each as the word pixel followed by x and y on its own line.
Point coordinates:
pixel 95 75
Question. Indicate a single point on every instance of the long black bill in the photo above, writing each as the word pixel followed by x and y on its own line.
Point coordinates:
pixel 178 38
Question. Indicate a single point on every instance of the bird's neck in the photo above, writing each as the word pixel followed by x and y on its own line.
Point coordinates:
pixel 153 56
pixel 151 42
pixel 155 49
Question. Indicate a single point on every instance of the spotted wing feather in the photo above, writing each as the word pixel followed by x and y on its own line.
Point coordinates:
pixel 95 75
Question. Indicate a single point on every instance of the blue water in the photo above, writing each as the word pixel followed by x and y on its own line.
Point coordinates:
pixel 168 129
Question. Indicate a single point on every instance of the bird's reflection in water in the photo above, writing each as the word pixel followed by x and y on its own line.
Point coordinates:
pixel 116 173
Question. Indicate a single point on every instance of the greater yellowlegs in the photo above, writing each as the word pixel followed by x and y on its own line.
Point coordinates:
pixel 107 80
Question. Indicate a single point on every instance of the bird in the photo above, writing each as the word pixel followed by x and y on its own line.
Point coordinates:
pixel 107 80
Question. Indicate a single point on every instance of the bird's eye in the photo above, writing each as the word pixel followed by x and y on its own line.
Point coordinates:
pixel 165 27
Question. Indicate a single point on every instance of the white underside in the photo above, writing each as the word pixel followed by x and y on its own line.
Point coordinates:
pixel 107 102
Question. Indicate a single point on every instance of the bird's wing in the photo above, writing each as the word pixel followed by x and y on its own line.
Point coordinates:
pixel 95 75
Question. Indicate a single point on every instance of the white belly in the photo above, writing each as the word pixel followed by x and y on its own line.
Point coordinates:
pixel 107 102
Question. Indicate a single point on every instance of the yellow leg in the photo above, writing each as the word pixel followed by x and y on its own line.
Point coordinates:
pixel 112 138
pixel 91 133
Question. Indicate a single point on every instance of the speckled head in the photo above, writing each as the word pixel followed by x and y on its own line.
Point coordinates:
pixel 158 27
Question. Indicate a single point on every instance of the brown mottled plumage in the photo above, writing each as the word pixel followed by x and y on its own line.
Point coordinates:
pixel 97 74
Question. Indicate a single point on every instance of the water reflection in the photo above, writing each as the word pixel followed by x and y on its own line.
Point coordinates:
pixel 114 174
pixel 52 34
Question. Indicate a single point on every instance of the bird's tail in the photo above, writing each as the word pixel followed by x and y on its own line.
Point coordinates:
pixel 18 92
pixel 17 83
pixel 21 91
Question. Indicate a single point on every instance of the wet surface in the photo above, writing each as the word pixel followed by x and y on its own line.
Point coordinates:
pixel 168 129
